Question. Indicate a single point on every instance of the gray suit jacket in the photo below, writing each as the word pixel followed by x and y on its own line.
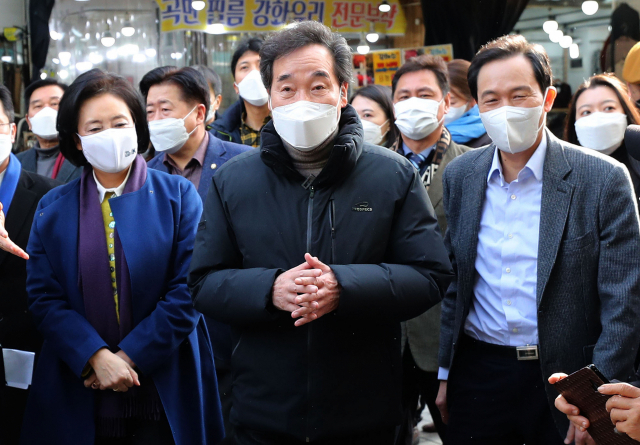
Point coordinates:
pixel 588 292
pixel 423 332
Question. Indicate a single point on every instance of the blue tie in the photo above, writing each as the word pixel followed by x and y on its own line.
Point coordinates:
pixel 417 160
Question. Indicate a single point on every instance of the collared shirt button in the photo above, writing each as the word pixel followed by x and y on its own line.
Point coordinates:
pixel 515 330
pixel 513 196
pixel 511 236
pixel 508 302
pixel 508 270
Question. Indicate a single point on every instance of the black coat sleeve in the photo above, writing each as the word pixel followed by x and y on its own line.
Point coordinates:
pixel 416 271
pixel 216 272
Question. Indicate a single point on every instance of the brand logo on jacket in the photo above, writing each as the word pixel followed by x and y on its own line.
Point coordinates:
pixel 362 207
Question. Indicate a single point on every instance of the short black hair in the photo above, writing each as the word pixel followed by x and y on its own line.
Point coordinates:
pixel 253 44
pixel 382 96
pixel 506 47
pixel 7 103
pixel 39 84
pixel 283 43
pixel 154 77
pixel 212 78
pixel 88 85
pixel 427 62
pixel 192 84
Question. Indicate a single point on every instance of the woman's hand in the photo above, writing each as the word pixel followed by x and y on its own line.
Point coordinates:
pixel 112 372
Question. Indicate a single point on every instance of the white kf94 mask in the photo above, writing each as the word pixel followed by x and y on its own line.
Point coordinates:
pixel 112 150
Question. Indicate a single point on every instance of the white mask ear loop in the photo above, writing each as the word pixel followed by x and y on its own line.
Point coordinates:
pixel 388 128
pixel 194 128
pixel 544 113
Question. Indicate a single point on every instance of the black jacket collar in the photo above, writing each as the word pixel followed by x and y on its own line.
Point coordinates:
pixel 347 148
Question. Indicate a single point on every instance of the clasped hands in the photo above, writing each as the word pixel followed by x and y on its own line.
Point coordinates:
pixel 111 371
pixel 623 408
pixel 308 291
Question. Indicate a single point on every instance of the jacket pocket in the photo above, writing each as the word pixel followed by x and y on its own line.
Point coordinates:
pixel 581 242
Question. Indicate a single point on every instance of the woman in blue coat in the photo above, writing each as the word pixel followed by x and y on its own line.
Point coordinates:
pixel 126 358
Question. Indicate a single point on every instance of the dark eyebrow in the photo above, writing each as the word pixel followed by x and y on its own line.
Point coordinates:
pixel 367 109
pixel 160 101
pixel 93 121
pixel 321 74
pixel 601 103
pixel 283 77
pixel 525 88
pixel 120 116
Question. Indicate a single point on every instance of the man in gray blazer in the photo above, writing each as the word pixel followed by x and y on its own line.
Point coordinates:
pixel 545 240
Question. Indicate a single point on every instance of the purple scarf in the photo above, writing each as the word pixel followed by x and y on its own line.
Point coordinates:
pixel 112 408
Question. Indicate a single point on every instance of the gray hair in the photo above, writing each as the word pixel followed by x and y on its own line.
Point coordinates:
pixel 302 34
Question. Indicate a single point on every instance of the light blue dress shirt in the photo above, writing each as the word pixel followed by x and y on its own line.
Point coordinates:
pixel 425 153
pixel 504 310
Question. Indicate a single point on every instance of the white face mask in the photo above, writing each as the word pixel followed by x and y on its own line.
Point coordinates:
pixel 43 123
pixel 252 89
pixel 210 114
pixel 417 118
pixel 5 147
pixel 513 129
pixel 603 132
pixel 169 135
pixel 454 114
pixel 305 125
pixel 112 150
pixel 372 132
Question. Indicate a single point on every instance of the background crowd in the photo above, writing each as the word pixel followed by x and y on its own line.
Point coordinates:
pixel 274 274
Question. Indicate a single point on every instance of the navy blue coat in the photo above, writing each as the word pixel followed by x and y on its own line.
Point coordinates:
pixel 227 127
pixel 218 152
pixel 169 343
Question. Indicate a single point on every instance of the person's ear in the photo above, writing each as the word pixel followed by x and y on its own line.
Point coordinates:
pixel 344 91
pixel 13 131
pixel 472 103
pixel 78 142
pixel 201 114
pixel 447 103
pixel 552 93
pixel 218 102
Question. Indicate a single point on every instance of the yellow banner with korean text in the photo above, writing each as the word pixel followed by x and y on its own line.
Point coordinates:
pixel 345 16
pixel 385 65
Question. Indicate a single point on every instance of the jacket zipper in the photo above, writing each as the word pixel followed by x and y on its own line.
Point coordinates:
pixel 332 222
pixel 312 192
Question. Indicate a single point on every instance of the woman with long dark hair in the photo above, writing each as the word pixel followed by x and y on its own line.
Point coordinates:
pixel 374 106
pixel 599 114
pixel 126 358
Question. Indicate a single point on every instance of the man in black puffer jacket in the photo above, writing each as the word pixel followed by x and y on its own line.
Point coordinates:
pixel 314 249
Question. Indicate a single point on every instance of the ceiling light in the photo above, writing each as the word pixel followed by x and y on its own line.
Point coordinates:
pixel 215 28
pixel 566 41
pixel 550 25
pixel 150 52
pixel 373 36
pixel 55 35
pixel 128 30
pixel 384 6
pixel 43 76
pixel 574 51
pixel 63 74
pixel 55 60
pixel 112 54
pixel 84 66
pixel 7 59
pixel 139 58
pixel 363 46
pixel 590 7
pixel 198 5
pixel 555 36
pixel 95 58
pixel 107 39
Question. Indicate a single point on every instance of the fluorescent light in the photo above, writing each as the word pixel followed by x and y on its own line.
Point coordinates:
pixel 43 76
pixel 384 6
pixel 574 51
pixel 128 30
pixel 84 66
pixel 590 7
pixel 63 74
pixel 198 5
pixel 373 37
pixel 549 26
pixel 7 59
pixel 555 36
pixel 566 41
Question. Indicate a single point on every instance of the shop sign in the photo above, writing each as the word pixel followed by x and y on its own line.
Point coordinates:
pixel 271 15
pixel 385 65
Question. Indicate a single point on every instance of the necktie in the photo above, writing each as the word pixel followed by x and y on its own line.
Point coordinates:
pixel 109 228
